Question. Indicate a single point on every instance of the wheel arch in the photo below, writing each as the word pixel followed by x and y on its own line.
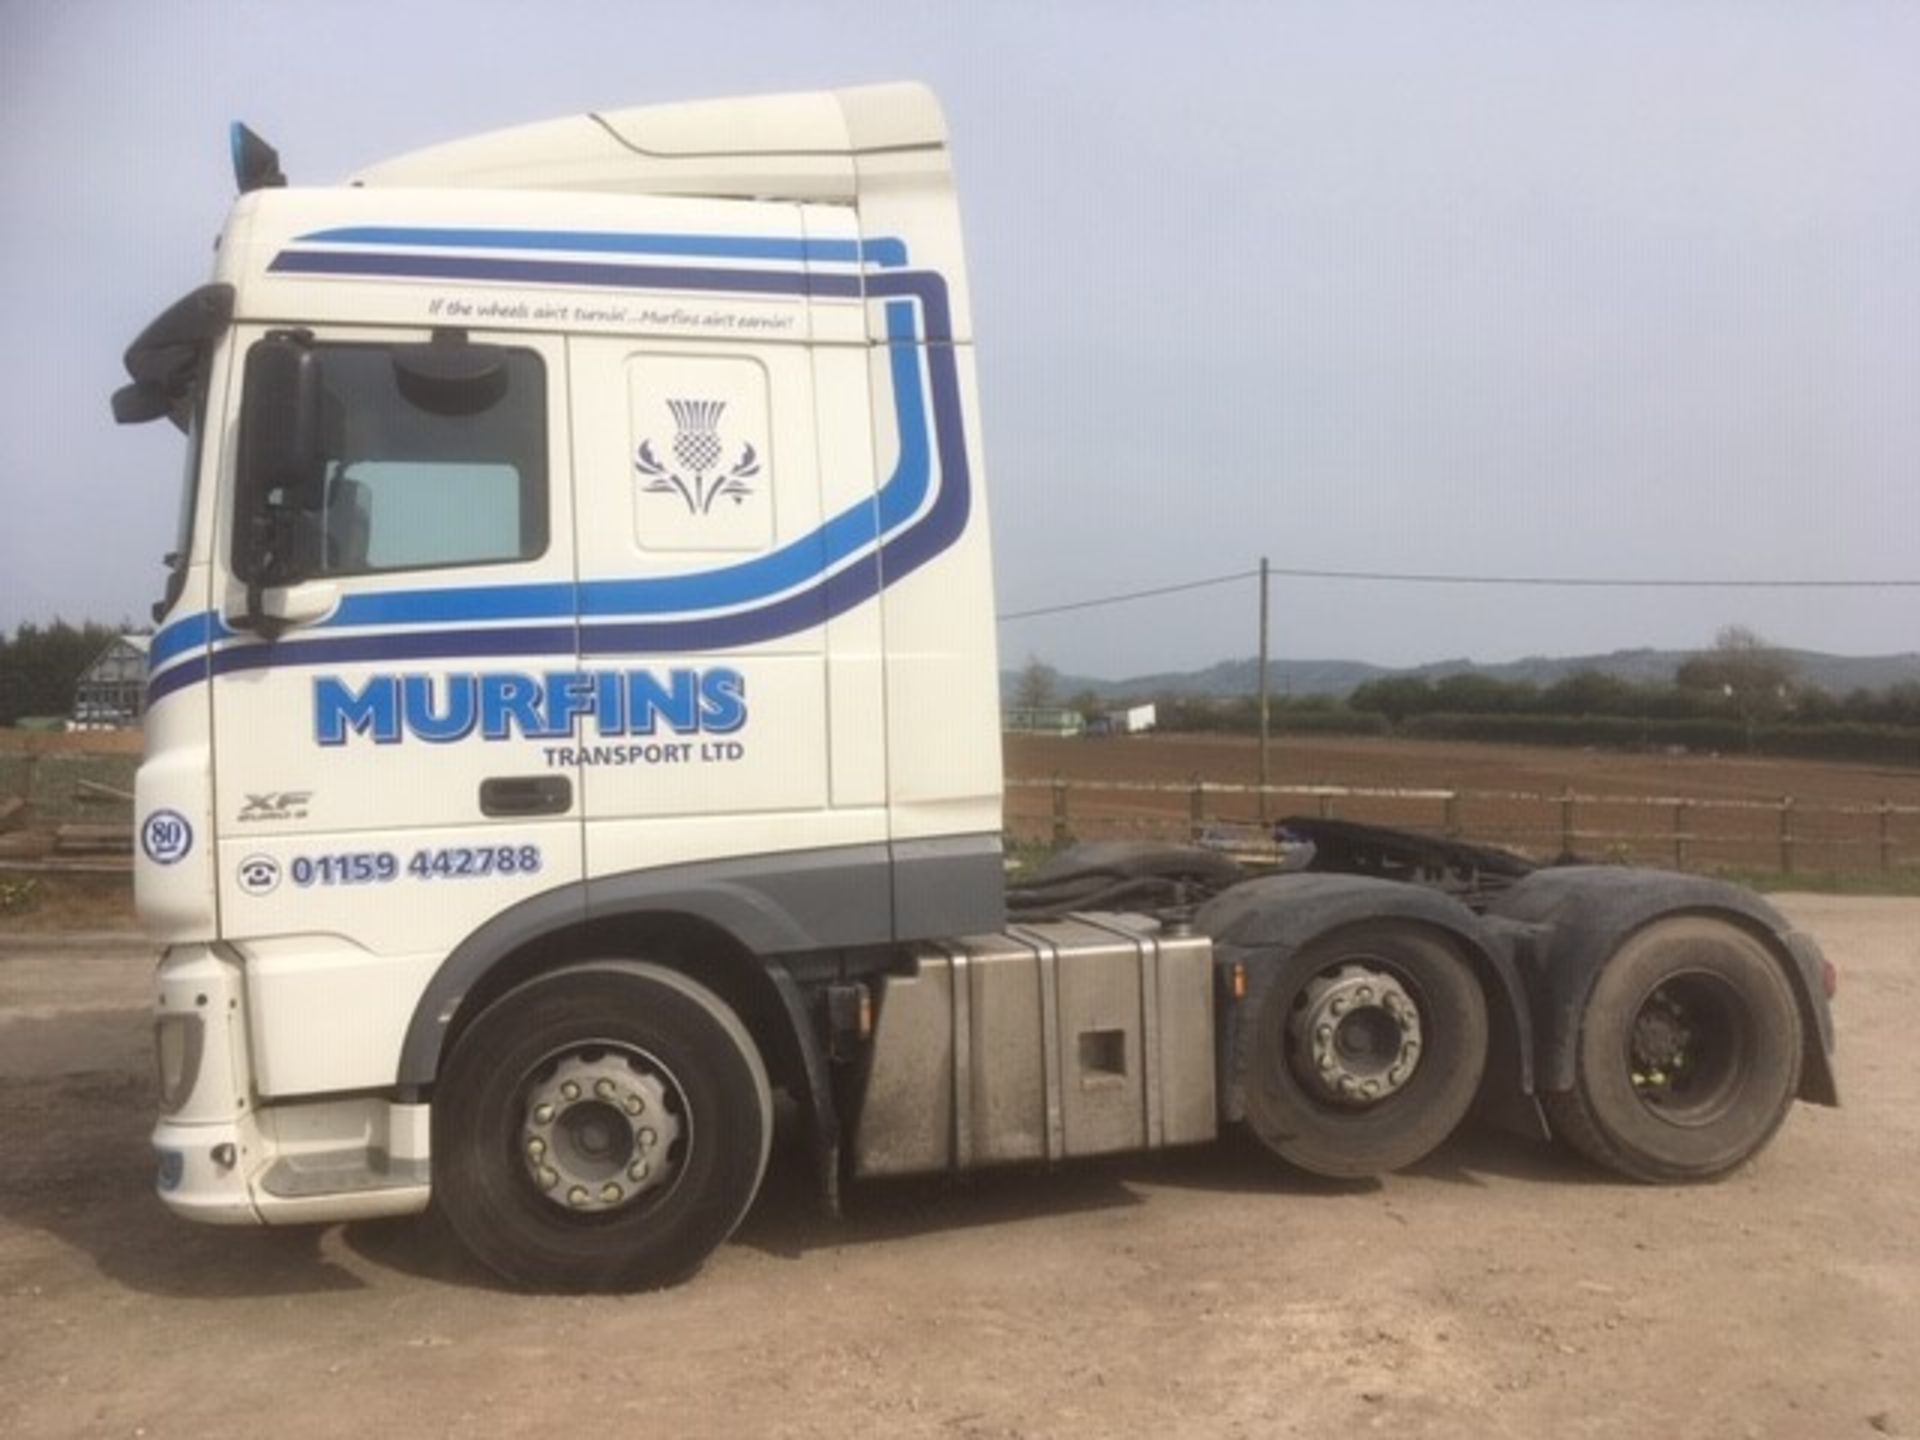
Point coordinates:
pixel 715 944
pixel 1260 923
pixel 1576 918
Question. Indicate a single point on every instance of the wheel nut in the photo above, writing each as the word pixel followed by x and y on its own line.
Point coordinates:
pixel 570 1090
pixel 611 1192
pixel 577 1195
pixel 638 1170
pixel 647 1138
pixel 635 1105
pixel 548 1178
pixel 536 1147
pixel 542 1114
pixel 603 1088
pixel 1364 994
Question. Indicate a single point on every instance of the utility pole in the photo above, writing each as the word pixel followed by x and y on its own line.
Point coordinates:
pixel 1265 722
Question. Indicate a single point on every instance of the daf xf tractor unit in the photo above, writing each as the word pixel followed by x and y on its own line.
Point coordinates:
pixel 573 717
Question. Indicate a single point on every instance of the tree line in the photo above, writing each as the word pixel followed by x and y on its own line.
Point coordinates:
pixel 1740 695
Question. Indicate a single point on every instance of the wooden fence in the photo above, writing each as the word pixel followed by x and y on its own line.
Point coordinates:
pixel 1683 831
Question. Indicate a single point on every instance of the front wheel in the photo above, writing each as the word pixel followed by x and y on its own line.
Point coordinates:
pixel 1688 1057
pixel 603 1127
pixel 1363 1050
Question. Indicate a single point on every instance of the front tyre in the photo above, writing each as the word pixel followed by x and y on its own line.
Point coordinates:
pixel 1363 1050
pixel 602 1127
pixel 1688 1057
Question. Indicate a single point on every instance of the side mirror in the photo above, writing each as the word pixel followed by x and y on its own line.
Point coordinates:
pixel 281 458
pixel 138 403
pixel 279 480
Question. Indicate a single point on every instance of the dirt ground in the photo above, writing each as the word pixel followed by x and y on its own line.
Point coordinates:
pixel 1500 1289
pixel 1735 837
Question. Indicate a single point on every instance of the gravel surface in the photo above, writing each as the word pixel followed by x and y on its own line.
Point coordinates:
pixel 1501 1289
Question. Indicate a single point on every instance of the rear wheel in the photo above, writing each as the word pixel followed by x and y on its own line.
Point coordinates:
pixel 1689 1054
pixel 1364 1050
pixel 604 1127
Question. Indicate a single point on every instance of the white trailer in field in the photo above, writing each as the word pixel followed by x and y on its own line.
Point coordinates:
pixel 573 716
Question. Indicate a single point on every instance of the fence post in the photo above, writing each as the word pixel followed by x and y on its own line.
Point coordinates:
pixel 1566 821
pixel 1451 815
pixel 1886 834
pixel 1324 803
pixel 1679 834
pixel 1786 834
pixel 1059 809
pixel 1197 809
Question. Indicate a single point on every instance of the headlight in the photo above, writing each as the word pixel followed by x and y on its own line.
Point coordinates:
pixel 177 1042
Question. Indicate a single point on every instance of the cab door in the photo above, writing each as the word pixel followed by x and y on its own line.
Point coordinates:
pixel 701 549
pixel 396 766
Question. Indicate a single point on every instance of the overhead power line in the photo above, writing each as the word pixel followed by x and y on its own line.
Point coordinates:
pixel 1595 582
pixel 1130 595
pixel 1397 577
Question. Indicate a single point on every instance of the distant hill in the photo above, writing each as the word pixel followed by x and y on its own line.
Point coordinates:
pixel 1837 674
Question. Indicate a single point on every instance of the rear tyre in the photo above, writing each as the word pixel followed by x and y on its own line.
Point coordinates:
pixel 1688 1056
pixel 1364 1050
pixel 603 1127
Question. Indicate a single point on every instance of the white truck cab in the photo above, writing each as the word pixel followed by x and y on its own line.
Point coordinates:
pixel 573 713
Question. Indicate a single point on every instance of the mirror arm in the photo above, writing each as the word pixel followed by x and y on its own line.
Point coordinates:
pixel 258 621
pixel 266 559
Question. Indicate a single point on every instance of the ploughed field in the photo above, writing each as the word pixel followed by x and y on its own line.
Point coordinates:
pixel 1509 794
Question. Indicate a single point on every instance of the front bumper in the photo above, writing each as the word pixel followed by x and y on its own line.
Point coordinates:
pixel 225 1158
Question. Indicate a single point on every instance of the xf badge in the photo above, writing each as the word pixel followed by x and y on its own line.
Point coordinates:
pixel 276 805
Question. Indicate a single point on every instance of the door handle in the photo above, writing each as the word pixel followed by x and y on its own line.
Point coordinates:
pixel 526 795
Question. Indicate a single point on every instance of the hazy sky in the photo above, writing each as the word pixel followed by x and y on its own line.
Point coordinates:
pixel 1607 288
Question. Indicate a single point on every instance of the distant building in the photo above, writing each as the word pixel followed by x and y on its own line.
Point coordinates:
pixel 1042 720
pixel 1133 720
pixel 112 691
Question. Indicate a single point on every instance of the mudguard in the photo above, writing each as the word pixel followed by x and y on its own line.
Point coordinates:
pixel 1260 922
pixel 1577 916
pixel 750 920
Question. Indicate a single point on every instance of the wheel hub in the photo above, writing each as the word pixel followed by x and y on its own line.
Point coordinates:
pixel 1686 1052
pixel 600 1131
pixel 1661 1035
pixel 1356 1035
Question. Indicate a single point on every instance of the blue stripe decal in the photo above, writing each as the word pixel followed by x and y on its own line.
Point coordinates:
pixel 190 672
pixel 603 242
pixel 832 595
pixel 590 273
pixel 195 632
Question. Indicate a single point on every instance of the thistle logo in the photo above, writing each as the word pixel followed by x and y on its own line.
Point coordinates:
pixel 509 705
pixel 699 480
